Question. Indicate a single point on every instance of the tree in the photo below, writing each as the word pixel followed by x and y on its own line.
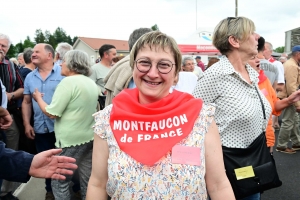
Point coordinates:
pixel 28 43
pixel 155 27
pixel 74 40
pixel 279 49
pixel 19 47
pixel 39 36
pixel 50 39
pixel 11 51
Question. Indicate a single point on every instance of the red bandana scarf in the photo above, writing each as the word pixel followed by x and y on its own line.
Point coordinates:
pixel 271 59
pixel 261 77
pixel 147 132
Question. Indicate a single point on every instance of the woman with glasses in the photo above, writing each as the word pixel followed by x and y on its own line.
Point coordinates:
pixel 231 85
pixel 152 144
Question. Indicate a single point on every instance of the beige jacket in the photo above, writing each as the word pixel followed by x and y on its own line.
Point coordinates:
pixel 117 79
pixel 292 79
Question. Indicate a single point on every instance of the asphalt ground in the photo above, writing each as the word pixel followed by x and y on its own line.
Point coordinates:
pixel 288 168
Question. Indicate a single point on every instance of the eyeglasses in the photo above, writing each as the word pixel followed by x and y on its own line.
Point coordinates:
pixel 228 22
pixel 144 65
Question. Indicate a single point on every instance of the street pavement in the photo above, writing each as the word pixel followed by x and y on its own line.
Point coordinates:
pixel 288 167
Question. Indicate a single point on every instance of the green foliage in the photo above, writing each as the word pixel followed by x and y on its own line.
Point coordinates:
pixel 155 27
pixel 279 49
pixel 11 51
pixel 54 39
pixel 28 43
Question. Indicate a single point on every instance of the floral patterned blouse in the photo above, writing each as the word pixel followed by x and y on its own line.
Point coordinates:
pixel 129 179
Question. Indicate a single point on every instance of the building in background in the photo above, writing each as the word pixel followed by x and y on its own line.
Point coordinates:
pixel 91 46
pixel 292 38
pixel 199 43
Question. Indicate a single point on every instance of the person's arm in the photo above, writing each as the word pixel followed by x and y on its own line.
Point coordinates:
pixel 279 87
pixel 218 185
pixel 26 114
pixel 19 87
pixel 99 175
pixel 5 119
pixel 16 94
pixel 19 165
pixel 282 104
pixel 42 104
pixel 274 85
pixel 48 165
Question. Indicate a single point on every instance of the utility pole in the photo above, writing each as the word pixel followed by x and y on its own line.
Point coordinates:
pixel 236 8
pixel 196 16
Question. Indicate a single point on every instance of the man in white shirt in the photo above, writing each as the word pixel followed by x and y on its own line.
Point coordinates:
pixel 280 81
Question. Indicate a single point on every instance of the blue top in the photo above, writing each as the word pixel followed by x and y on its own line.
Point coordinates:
pixel 14 165
pixel 42 123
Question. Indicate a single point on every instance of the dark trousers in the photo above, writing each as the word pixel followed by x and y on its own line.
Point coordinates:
pixel 44 142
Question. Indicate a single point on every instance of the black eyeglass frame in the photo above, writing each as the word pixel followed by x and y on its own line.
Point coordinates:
pixel 172 64
pixel 229 19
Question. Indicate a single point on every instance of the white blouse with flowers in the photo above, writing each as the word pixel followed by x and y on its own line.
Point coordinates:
pixel 129 179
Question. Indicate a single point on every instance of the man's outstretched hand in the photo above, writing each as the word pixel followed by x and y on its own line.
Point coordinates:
pixel 48 165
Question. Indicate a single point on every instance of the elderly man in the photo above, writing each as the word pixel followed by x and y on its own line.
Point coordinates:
pixel 290 120
pixel 21 60
pixel 187 79
pixel 188 65
pixel 61 49
pixel 268 55
pixel 13 83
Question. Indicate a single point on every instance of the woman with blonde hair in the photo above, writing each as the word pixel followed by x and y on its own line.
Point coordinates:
pixel 231 84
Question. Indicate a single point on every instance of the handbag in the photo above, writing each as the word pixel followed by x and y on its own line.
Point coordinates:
pixel 256 155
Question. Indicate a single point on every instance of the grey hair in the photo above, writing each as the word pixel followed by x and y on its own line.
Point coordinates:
pixel 78 61
pixel 62 48
pixel 20 54
pixel 186 59
pixel 49 49
pixel 27 55
pixel 270 46
pixel 5 37
pixel 136 34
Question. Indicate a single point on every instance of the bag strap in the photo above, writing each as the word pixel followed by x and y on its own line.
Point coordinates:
pixel 262 104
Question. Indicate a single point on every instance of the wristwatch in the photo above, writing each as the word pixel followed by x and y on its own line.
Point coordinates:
pixel 12 96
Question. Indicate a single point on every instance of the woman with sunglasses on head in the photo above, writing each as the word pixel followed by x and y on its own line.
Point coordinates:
pixel 231 84
pixel 150 144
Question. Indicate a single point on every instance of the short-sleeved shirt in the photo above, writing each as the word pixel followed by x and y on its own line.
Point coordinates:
pixel 239 114
pixel 3 95
pixel 129 179
pixel 11 79
pixel 74 102
pixel 280 68
pixel 270 70
pixel 42 123
pixel 99 72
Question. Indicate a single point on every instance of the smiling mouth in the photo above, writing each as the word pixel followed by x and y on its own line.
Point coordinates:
pixel 152 83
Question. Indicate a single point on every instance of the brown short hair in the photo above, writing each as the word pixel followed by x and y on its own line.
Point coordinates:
pixel 156 39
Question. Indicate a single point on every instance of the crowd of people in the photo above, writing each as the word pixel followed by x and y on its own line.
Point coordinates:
pixel 150 125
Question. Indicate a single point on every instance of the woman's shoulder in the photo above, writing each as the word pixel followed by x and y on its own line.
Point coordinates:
pixel 208 110
pixel 103 114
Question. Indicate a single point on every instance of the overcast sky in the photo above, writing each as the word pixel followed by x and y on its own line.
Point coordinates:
pixel 116 19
